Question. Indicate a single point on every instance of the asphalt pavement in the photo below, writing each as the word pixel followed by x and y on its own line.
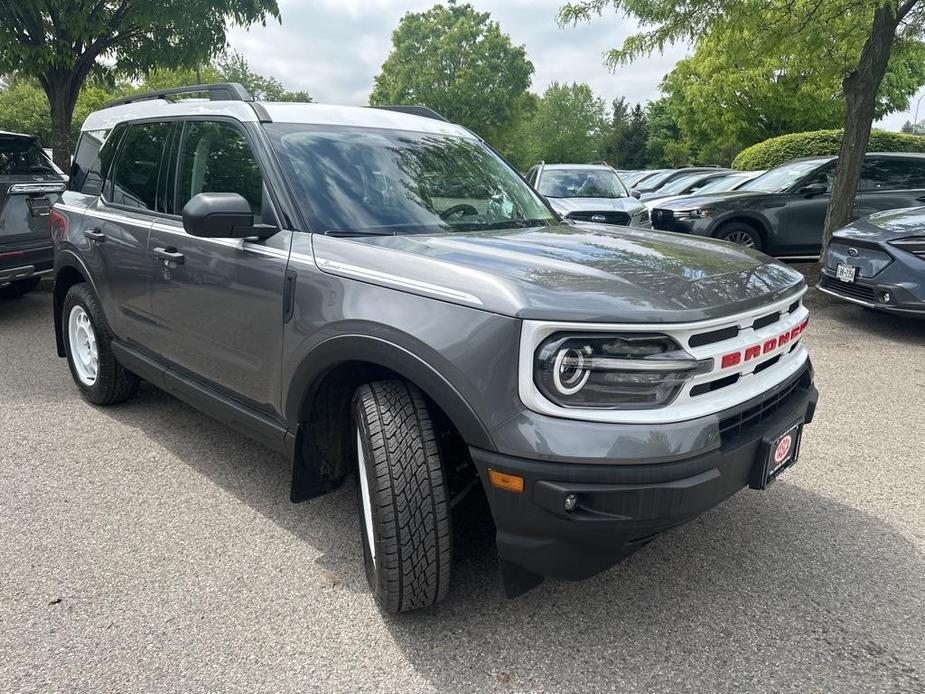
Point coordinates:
pixel 145 547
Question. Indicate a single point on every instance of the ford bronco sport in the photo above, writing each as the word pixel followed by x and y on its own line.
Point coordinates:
pixel 375 291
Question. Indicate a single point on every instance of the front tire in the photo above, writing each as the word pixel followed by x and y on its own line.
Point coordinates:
pixel 100 378
pixel 741 234
pixel 401 493
pixel 18 288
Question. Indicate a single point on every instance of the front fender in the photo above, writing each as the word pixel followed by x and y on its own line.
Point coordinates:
pixel 66 260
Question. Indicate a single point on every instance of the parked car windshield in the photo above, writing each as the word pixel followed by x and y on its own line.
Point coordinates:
pixel 21 156
pixel 581 183
pixel 783 177
pixel 377 181
pixel 679 185
pixel 730 182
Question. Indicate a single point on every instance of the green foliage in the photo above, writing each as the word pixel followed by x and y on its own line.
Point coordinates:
pixel 778 150
pixel 24 108
pixel 458 62
pixel 624 143
pixel 665 145
pixel 565 126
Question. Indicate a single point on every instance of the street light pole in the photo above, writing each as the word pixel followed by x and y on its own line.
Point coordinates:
pixel 915 122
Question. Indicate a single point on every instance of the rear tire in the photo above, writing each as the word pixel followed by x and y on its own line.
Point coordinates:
pixel 18 288
pixel 100 378
pixel 741 234
pixel 402 496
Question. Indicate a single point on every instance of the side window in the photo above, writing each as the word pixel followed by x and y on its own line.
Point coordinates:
pixel 216 158
pixel 892 174
pixel 135 174
pixel 824 175
pixel 531 176
pixel 87 171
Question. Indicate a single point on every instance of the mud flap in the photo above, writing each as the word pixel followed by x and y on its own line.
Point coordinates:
pixel 518 580
pixel 308 481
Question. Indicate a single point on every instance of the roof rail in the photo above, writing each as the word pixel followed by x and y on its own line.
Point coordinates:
pixel 223 91
pixel 422 111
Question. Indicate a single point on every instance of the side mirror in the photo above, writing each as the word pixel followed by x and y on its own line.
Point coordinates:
pixel 813 189
pixel 222 216
pixel 635 193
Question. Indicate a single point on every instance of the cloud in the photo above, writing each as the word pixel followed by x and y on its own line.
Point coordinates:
pixel 334 49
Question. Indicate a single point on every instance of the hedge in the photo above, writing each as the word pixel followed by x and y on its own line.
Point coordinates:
pixel 778 150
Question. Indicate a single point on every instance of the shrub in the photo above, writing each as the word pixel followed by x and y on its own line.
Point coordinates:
pixel 778 150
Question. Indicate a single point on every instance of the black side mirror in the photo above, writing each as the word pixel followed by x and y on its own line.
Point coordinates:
pixel 222 216
pixel 635 193
pixel 813 189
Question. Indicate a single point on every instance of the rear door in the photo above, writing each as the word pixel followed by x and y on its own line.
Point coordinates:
pixel 218 303
pixel 889 183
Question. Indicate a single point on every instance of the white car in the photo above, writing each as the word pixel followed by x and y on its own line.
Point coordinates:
pixel 588 193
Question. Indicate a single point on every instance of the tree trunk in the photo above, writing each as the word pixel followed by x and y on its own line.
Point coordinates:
pixel 62 88
pixel 860 87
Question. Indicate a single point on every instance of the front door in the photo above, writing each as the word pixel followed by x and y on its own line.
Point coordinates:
pixel 219 302
pixel 805 217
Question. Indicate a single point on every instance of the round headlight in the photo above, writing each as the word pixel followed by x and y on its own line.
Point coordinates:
pixel 570 369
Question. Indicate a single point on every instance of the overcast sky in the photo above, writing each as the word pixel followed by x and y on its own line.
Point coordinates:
pixel 334 48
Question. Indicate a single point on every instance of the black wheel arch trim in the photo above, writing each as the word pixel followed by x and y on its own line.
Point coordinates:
pixel 66 258
pixel 340 349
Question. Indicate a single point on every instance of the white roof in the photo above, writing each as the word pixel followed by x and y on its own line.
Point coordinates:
pixel 314 114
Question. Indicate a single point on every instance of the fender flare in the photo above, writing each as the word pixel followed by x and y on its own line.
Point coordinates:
pixel 340 349
pixel 66 258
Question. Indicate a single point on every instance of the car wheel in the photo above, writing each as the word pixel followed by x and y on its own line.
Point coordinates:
pixel 402 498
pixel 100 378
pixel 740 233
pixel 18 288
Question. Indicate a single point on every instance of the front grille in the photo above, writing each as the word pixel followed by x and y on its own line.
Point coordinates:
pixel 610 217
pixel 765 321
pixel 701 339
pixel 855 291
pixel 754 415
pixel 663 219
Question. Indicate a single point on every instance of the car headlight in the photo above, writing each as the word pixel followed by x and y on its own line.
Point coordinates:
pixel 698 213
pixel 613 371
pixel 912 244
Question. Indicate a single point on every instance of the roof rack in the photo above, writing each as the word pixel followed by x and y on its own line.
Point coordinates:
pixel 422 111
pixel 223 91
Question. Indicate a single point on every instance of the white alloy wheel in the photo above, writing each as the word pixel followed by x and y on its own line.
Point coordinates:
pixel 82 341
pixel 367 504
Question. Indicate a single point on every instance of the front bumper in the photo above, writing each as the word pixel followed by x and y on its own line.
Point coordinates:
pixel 906 295
pixel 620 507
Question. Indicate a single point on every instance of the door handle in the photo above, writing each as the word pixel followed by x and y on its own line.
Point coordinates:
pixel 94 235
pixel 169 254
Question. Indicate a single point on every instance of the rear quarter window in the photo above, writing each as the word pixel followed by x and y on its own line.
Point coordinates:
pixel 20 156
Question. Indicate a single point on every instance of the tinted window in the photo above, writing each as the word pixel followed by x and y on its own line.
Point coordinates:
pixel 87 172
pixel 379 181
pixel 892 174
pixel 215 158
pixel 135 174
pixel 22 156
pixel 581 183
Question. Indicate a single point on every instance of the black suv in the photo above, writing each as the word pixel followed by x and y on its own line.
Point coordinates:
pixel 29 184
pixel 782 212
pixel 378 294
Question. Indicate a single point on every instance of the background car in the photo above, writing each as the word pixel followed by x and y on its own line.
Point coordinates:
pixel 720 184
pixel 783 211
pixel 634 179
pixel 588 193
pixel 879 262
pixel 685 185
pixel 29 184
pixel 660 180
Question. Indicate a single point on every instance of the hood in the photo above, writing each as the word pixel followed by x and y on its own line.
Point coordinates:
pixel 886 226
pixel 726 200
pixel 588 273
pixel 566 206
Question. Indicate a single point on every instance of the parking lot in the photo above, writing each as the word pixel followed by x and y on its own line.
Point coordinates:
pixel 146 547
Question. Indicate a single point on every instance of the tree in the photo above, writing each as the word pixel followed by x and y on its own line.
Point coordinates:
pixel 59 43
pixel 665 146
pixel 624 144
pixel 456 61
pixel 565 126
pixel 853 40
pixel 726 99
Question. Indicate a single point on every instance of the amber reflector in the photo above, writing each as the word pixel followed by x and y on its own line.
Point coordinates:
pixel 502 480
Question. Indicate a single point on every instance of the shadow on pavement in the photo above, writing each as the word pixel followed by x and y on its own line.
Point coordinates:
pixel 767 591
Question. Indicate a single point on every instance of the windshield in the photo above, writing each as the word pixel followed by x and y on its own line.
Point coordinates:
pixel 653 182
pixel 364 181
pixel 581 183
pixel 783 177
pixel 21 155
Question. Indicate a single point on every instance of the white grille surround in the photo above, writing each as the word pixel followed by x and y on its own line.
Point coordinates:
pixel 790 355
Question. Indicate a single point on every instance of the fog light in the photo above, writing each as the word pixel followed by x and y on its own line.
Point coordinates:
pixel 885 297
pixel 571 501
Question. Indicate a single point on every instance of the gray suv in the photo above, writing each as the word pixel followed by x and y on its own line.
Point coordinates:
pixel 375 291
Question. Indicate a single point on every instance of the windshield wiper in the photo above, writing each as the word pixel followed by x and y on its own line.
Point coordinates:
pixel 349 233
